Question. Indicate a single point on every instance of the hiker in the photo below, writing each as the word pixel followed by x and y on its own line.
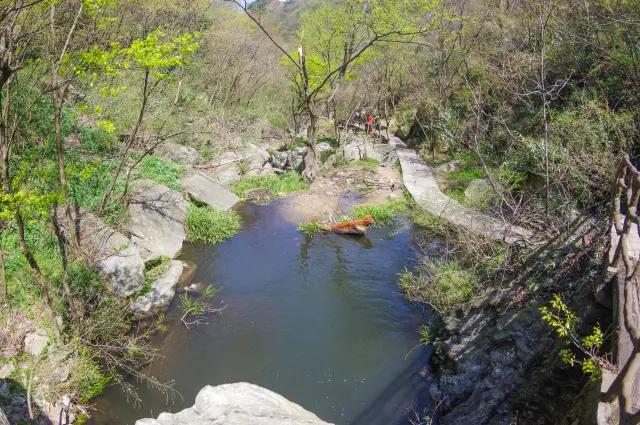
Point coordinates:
pixel 376 122
pixel 369 124
pixel 356 121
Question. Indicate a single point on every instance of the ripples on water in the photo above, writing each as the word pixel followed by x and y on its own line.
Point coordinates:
pixel 319 321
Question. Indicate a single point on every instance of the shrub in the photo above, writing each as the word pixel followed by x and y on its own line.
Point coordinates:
pixel 443 284
pixel 97 140
pixel 382 214
pixel 205 224
pixel 163 171
pixel 277 185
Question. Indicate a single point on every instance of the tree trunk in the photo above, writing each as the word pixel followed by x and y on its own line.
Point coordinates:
pixel 73 312
pixel 310 163
pixel 130 142
pixel 3 273
pixel 58 97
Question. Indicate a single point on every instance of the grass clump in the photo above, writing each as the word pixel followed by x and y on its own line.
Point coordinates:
pixel 382 214
pixel 311 227
pixel 153 272
pixel 368 164
pixel 444 284
pixel 278 185
pixel 163 171
pixel 207 225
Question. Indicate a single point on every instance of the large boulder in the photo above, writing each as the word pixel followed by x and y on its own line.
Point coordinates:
pixel 383 153
pixel 162 290
pixel 279 160
pixel 256 162
pixel 35 343
pixel 205 191
pixel 295 158
pixel 114 255
pixel 238 404
pixel 449 167
pixel 179 153
pixel 158 216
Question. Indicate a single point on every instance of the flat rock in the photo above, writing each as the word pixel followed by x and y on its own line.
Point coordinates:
pixel 185 155
pixel 203 190
pixel 113 254
pixel 35 343
pixel 238 404
pixel 158 216
pixel 162 290
pixel 6 370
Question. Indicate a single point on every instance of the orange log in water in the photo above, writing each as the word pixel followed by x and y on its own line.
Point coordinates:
pixel 355 227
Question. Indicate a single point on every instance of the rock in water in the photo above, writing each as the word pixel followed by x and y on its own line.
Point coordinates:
pixel 205 191
pixel 238 404
pixel 158 216
pixel 113 254
pixel 179 153
pixel 162 290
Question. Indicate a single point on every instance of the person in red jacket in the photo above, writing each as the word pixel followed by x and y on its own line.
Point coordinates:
pixel 370 124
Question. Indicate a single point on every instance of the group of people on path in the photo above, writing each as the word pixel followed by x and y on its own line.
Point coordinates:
pixel 371 123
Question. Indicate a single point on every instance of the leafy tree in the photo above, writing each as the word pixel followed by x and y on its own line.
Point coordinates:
pixel 339 35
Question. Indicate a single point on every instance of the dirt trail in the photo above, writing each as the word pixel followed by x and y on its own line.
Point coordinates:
pixel 336 191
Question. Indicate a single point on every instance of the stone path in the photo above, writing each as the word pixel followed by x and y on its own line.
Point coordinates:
pixel 419 179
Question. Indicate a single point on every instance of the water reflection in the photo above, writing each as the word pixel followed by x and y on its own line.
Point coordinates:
pixel 318 320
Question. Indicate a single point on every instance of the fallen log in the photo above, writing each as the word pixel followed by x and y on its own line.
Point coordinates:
pixel 353 227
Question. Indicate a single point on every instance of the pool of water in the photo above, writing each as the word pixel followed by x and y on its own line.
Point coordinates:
pixel 318 320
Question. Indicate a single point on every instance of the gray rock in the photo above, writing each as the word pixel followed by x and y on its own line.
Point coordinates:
pixel 201 189
pixel 158 217
pixel 295 158
pixel 18 400
pixel 383 153
pixel 35 343
pixel 179 153
pixel 238 404
pixel 331 161
pixel 225 172
pixel 450 167
pixel 279 160
pixel 113 254
pixel 324 146
pixel 162 290
pixel 4 390
pixel 267 169
pixel 478 192
pixel 6 370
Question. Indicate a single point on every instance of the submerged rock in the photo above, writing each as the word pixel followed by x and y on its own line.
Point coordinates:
pixel 158 216
pixel 238 404
pixel 162 290
pixel 205 191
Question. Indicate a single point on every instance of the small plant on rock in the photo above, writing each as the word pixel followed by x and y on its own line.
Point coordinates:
pixel 195 309
pixel 564 321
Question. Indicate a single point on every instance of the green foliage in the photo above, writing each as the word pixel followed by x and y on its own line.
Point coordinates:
pixel 432 331
pixel 277 185
pixel 444 284
pixel 97 141
pixel 153 272
pixel 207 225
pixel 564 322
pixel 163 171
pixel 312 227
pixel 382 214
pixel 197 306
pixel 89 376
pixel 88 182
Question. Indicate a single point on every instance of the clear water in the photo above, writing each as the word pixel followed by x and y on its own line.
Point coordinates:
pixel 319 321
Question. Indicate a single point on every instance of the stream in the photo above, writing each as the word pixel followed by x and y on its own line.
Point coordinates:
pixel 320 321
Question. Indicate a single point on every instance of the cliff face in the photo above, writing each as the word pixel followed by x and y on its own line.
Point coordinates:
pixel 238 404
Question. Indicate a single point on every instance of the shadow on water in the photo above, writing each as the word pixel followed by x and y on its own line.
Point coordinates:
pixel 318 320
